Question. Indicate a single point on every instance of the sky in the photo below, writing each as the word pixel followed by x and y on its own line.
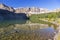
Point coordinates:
pixel 49 4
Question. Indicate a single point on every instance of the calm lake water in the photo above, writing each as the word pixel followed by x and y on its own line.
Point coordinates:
pixel 27 32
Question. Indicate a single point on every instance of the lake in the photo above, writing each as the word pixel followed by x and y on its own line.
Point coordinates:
pixel 21 30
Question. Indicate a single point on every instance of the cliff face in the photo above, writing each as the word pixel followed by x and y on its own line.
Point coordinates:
pixel 23 10
pixel 7 13
pixel 32 10
pixel 4 7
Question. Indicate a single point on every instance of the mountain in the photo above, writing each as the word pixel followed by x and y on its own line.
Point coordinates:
pixel 7 13
pixel 31 10
pixel 56 10
pixel 3 6
pixel 27 9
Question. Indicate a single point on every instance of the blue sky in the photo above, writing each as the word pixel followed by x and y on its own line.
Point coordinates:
pixel 49 4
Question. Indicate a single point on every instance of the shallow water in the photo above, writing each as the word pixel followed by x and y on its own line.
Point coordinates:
pixel 17 28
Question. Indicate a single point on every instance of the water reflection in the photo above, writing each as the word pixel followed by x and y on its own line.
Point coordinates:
pixel 15 28
pixel 6 23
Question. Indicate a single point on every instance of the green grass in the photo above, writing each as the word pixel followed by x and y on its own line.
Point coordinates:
pixel 37 18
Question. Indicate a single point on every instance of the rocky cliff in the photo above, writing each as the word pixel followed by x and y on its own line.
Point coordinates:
pixel 4 7
pixel 31 10
pixel 7 13
pixel 23 10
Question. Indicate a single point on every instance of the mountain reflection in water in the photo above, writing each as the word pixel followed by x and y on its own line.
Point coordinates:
pixel 46 33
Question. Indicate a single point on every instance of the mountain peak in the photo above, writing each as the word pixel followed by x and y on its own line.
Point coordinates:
pixel 2 5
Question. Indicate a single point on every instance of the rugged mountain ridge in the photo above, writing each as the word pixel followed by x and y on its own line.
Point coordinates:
pixel 23 10
pixel 4 7
pixel 32 10
pixel 7 13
